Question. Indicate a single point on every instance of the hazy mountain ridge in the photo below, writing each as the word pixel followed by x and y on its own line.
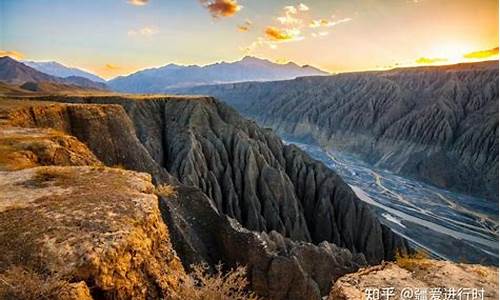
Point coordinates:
pixel 59 70
pixel 438 124
pixel 157 80
pixel 17 73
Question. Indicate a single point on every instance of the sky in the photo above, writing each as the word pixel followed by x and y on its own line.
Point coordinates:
pixel 116 37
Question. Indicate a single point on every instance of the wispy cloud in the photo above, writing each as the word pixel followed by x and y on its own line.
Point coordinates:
pixel 302 7
pixel 245 26
pixel 289 19
pixel 138 2
pixel 482 54
pixel 430 60
pixel 290 24
pixel 13 54
pixel 291 14
pixel 146 31
pixel 319 34
pixel 327 23
pixel 221 8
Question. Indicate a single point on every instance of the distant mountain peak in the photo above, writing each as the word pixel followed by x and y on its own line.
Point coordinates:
pixel 172 66
pixel 55 68
pixel 16 72
pixel 253 58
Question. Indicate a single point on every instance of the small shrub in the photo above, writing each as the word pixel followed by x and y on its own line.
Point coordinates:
pixel 481 271
pixel 166 190
pixel 119 166
pixel 22 284
pixel 412 261
pixel 204 285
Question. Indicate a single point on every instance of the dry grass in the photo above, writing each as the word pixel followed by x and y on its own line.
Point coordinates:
pixel 11 159
pixel 166 190
pixel 413 261
pixel 481 271
pixel 22 284
pixel 204 285
pixel 22 148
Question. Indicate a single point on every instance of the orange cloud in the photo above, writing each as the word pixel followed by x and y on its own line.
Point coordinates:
pixel 294 24
pixel 275 34
pixel 482 54
pixel 429 61
pixel 13 54
pixel 221 8
pixel 138 2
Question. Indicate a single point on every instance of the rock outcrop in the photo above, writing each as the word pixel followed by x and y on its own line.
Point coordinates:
pixel 97 229
pixel 105 129
pixel 278 267
pixel 71 228
pixel 436 124
pixel 420 278
pixel 22 148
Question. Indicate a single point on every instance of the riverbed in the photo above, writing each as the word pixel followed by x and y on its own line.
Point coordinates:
pixel 445 224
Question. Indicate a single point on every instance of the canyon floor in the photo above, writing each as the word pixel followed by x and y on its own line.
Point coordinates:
pixel 449 225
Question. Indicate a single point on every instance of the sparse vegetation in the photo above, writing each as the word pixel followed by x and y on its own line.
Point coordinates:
pixel 219 285
pixel 166 190
pixel 412 261
pixel 119 166
pixel 22 284
pixel 481 271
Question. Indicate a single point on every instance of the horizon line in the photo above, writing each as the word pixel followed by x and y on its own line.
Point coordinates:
pixel 388 68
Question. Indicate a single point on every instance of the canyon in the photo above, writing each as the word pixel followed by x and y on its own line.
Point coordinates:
pixel 434 124
pixel 241 196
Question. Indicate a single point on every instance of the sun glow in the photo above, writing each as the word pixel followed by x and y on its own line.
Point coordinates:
pixel 450 52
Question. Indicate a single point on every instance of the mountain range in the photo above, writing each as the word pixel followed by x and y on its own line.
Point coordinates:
pixel 158 80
